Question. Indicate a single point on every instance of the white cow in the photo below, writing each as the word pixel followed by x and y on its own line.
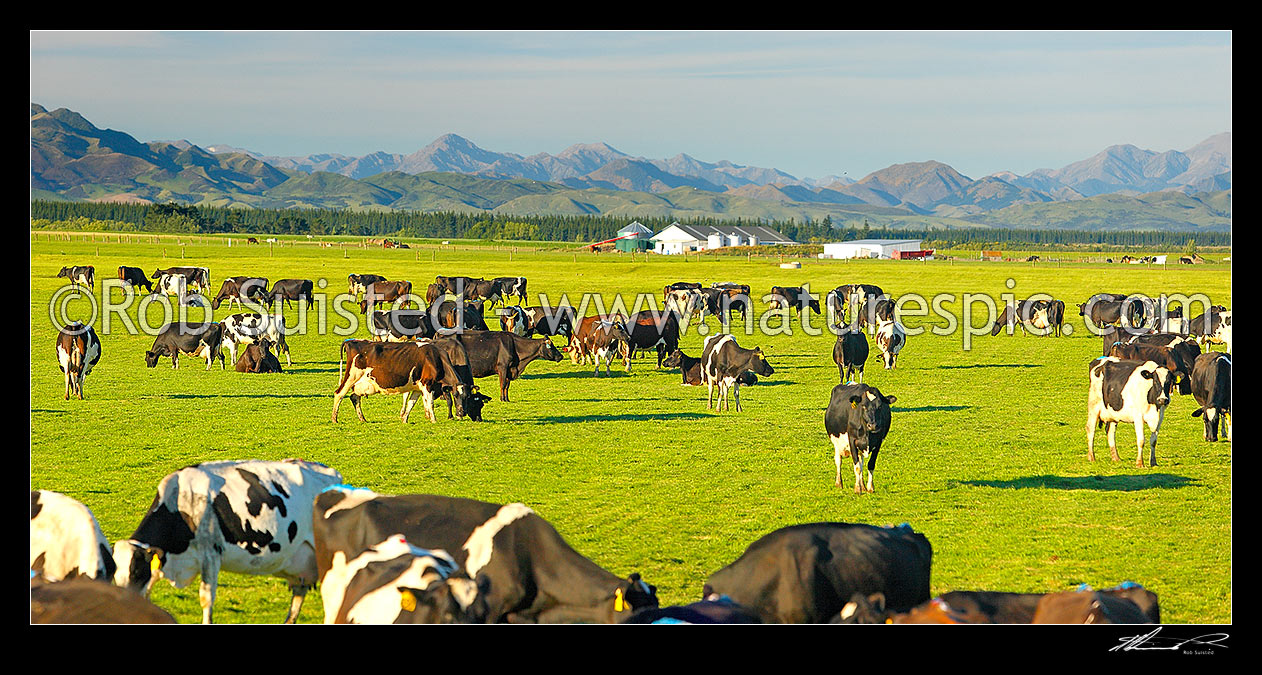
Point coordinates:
pixel 249 517
pixel 66 540
pixel 395 582
pixel 247 329
pixel 890 339
pixel 1127 391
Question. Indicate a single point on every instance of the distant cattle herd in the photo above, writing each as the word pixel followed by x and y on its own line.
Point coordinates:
pixel 432 559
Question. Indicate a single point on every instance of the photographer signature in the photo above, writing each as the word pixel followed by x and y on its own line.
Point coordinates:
pixel 1138 642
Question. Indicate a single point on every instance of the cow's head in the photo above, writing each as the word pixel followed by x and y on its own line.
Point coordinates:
pixel 759 364
pixel 863 609
pixel 873 409
pixel 1162 381
pixel 468 401
pixel 550 351
pixel 634 595
pixel 65 272
pixel 815 305
pixel 137 565
pixel 675 360
pixel 151 358
pixel 456 599
pixel 1082 308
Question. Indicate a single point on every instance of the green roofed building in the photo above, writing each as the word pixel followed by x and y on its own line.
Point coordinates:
pixel 638 241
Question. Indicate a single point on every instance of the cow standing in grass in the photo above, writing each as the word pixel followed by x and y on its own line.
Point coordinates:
pixel 1126 391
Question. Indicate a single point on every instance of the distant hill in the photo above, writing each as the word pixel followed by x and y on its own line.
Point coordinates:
pixel 1122 187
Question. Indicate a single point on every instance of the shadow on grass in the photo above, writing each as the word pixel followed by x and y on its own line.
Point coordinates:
pixel 311 370
pixel 329 395
pixel 1104 483
pixel 576 373
pixel 932 408
pixel 996 365
pixel 643 417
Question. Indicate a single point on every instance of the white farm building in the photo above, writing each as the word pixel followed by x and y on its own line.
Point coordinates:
pixel 677 239
pixel 869 248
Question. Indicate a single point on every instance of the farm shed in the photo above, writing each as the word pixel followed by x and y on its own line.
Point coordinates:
pixel 677 238
pixel 869 248
pixel 635 237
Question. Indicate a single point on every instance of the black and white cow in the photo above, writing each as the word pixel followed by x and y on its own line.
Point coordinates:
pixel 723 363
pixel 807 573
pixel 66 540
pixel 850 353
pixel 545 321
pixel 203 340
pixel 1211 386
pixel 687 302
pixel 1127 391
pixel 135 278
pixel 399 325
pixel 198 278
pixel 874 311
pixel 177 285
pixel 651 329
pixel 247 329
pixel 857 421
pixel 524 569
pixel 240 290
pixel 249 517
pixel 82 274
pixel 78 351
pixel 512 286
pixel 891 337
pixel 396 582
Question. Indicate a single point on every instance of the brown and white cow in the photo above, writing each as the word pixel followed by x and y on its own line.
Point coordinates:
pixel 78 351
pixel 416 370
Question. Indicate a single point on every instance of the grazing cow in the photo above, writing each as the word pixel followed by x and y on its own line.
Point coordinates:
pixel 458 315
pixel 383 291
pixel 398 325
pixel 679 286
pixel 788 298
pixel 891 337
pixel 251 240
pixel 807 573
pixel 1106 312
pixel 512 286
pixel 249 517
pixel 82 601
pixel 504 354
pixel 1043 316
pixel 258 358
pixel 292 290
pixel 173 284
pixel 66 540
pixel 546 321
pixel 686 302
pixel 1222 334
pixel 605 340
pixel 719 610
pixel 856 295
pixel 203 340
pixel 1178 359
pixel 247 329
pixel 416 370
pixel 1211 385
pixel 240 289
pixel 1112 335
pixel 735 298
pixel 690 368
pixel 651 330
pixel 723 363
pixel 198 277
pixel 396 582
pixel 1087 607
pixel 359 282
pixel 857 421
pixel 486 291
pixel 1126 391
pixel 83 274
pixel 525 571
pixel 579 349
pixel 135 278
pixel 78 351
pixel 850 353
pixel 874 311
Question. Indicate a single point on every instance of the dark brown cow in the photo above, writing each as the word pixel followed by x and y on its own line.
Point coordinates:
pixel 433 293
pixel 652 330
pixel 134 276
pixel 504 354
pixel 1178 359
pixel 1088 607
pixel 258 358
pixel 292 290
pixel 457 315
pixel 239 289
pixel 203 340
pixel 383 291
pixel 788 298
pixel 416 370
pixel 86 601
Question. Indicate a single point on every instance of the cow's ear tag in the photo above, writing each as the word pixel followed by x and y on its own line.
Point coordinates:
pixel 854 405
pixel 155 564
pixel 619 605
pixel 407 601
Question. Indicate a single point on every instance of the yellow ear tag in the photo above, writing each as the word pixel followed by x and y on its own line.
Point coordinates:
pixel 889 621
pixel 618 604
pixel 407 601
pixel 155 564
pixel 854 405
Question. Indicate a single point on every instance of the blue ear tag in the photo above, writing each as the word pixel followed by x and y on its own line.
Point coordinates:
pixel 1084 586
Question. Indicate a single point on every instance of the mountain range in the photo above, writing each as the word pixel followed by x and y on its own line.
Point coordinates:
pixel 73 159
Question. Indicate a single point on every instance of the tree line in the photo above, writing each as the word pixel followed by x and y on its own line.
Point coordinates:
pixel 173 217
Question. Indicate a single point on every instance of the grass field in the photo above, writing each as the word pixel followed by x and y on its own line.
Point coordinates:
pixel 986 454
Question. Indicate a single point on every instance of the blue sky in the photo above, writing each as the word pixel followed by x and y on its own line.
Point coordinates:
pixel 809 103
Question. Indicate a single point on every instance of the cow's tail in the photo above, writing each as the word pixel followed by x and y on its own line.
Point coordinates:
pixel 341 358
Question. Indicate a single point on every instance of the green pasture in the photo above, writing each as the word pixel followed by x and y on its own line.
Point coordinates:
pixel 986 456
